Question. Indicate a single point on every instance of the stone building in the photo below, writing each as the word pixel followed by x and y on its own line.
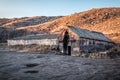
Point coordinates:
pixel 39 39
pixel 82 40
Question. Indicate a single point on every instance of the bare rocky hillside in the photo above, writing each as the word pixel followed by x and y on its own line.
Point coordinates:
pixel 105 20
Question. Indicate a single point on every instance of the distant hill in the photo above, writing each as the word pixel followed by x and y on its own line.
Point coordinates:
pixel 105 20
pixel 8 25
pixel 25 21
pixel 4 21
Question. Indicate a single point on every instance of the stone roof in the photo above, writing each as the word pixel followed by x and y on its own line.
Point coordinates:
pixel 37 36
pixel 90 34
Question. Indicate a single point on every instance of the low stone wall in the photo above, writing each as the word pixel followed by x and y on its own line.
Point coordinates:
pixel 32 48
pixel 100 55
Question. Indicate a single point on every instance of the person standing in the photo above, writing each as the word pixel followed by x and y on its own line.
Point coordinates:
pixel 65 42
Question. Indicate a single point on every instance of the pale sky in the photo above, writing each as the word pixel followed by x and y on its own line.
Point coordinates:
pixel 24 8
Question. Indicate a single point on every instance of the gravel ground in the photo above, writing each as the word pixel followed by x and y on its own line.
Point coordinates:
pixel 24 66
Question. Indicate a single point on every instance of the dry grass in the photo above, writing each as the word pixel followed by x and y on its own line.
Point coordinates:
pixel 32 48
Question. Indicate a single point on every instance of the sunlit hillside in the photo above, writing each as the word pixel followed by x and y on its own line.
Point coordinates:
pixel 105 20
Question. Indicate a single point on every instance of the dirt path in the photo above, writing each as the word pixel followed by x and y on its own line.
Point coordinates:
pixel 23 66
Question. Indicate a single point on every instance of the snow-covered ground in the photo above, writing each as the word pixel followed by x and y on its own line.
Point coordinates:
pixel 24 66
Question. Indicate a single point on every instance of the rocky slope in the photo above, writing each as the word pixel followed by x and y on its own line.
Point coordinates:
pixel 105 20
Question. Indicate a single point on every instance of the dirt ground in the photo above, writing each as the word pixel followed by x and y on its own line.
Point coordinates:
pixel 24 66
